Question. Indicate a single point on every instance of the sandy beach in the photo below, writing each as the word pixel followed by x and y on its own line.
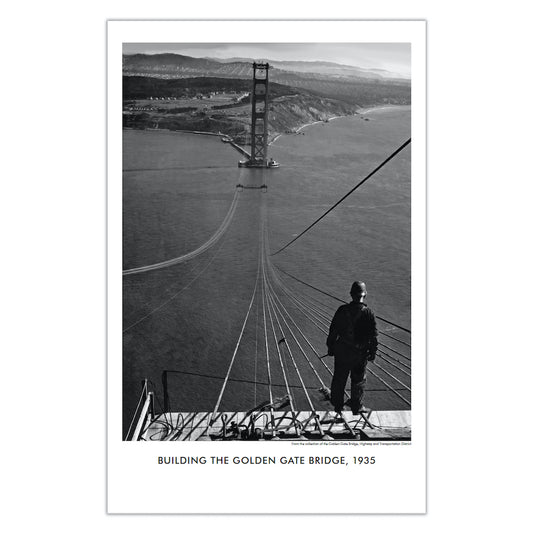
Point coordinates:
pixel 297 131
pixel 364 111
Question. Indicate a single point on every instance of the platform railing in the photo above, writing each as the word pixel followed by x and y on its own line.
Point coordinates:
pixel 146 414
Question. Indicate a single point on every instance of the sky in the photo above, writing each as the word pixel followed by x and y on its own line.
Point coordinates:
pixel 394 57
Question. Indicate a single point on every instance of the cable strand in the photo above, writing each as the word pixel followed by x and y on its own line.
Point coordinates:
pixel 383 163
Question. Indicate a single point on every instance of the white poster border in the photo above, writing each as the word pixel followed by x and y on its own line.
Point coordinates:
pixel 396 483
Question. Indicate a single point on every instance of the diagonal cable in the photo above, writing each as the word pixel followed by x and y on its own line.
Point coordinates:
pixel 383 163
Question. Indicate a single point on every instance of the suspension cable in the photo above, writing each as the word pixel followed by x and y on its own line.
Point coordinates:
pixel 294 416
pixel 381 355
pixel 319 314
pixel 381 351
pixel 215 410
pixel 392 376
pixel 402 363
pixel 200 250
pixel 294 337
pixel 307 314
pixel 269 310
pixel 280 283
pixel 396 152
pixel 293 297
pixel 338 299
pixel 388 386
pixel 324 388
pixel 395 351
pixel 163 304
pixel 291 401
pixel 395 338
pixel 256 349
pixel 322 314
pixel 271 400
pixel 230 379
pixel 284 340
pixel 310 309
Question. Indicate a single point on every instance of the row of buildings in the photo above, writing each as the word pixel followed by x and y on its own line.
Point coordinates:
pixel 203 96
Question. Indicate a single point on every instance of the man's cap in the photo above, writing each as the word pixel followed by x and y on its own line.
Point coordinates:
pixel 358 288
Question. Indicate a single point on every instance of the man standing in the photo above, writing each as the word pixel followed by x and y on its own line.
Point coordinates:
pixel 353 341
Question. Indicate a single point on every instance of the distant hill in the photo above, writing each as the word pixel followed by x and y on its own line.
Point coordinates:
pixel 348 84
pixel 179 66
pixel 327 68
pixel 142 87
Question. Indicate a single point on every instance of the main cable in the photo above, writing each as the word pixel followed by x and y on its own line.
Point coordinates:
pixel 373 373
pixel 338 299
pixel 383 163
pixel 164 303
pixel 215 410
pixel 200 250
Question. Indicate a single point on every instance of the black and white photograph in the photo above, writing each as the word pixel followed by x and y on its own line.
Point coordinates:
pixel 266 262
pixel 265 267
pixel 266 232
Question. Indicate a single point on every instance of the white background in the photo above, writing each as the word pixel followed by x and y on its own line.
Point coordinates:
pixel 179 489
pixel 53 267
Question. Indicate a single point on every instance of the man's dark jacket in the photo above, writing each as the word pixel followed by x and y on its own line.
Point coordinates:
pixel 353 332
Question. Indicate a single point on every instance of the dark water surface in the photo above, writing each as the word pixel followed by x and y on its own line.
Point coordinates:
pixel 187 317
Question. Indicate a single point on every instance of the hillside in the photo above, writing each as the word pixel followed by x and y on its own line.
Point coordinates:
pixel 190 104
pixel 352 85
pixel 179 92
pixel 178 66
pixel 143 87
pixel 327 68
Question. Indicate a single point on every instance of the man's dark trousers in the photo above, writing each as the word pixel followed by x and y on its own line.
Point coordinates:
pixel 346 364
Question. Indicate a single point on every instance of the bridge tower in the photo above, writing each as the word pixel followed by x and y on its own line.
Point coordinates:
pixel 260 116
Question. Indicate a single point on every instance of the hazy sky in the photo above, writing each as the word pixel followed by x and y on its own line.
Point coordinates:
pixel 395 57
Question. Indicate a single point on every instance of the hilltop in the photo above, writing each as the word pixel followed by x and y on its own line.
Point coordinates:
pixel 177 65
pixel 327 68
pixel 353 85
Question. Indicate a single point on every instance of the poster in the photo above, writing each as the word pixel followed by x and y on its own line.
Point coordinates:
pixel 256 171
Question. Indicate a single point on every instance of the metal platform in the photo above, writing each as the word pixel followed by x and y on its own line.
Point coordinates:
pixel 278 425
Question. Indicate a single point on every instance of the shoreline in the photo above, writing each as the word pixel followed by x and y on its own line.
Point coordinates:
pixel 196 132
pixel 361 111
pixel 297 131
pixel 364 111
